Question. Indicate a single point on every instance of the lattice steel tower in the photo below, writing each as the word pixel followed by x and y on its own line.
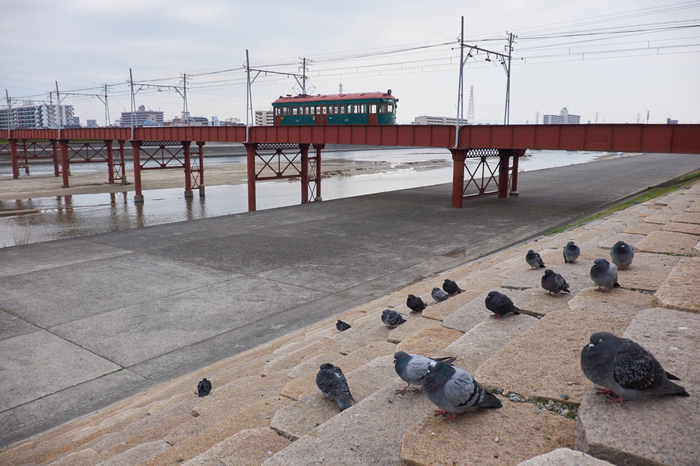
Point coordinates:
pixel 471 116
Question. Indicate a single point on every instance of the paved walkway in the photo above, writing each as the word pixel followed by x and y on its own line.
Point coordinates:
pixel 88 321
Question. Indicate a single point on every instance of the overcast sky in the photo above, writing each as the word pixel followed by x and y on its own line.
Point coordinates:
pixel 605 61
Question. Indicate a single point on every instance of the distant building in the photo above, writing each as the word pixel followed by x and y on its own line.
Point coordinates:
pixel 671 122
pixel 564 118
pixel 197 121
pixel 42 115
pixel 91 123
pixel 435 120
pixel 264 118
pixel 142 117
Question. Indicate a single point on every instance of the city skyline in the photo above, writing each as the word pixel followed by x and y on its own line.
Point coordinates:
pixel 610 62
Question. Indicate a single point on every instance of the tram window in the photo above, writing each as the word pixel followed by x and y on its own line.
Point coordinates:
pixel 342 109
pixel 390 108
pixel 306 110
pixel 382 108
pixel 285 110
pixel 277 111
pixel 294 110
pixel 312 108
pixel 372 108
pixel 337 109
pixel 363 108
pixel 325 109
pixel 318 110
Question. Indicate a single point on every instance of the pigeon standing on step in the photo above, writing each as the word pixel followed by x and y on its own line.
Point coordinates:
pixel 622 254
pixel 332 383
pixel 625 369
pixel 554 283
pixel 500 304
pixel 571 252
pixel 534 260
pixel 454 391
pixel 439 295
pixel 604 274
pixel 342 326
pixel 415 304
pixel 413 368
pixel 451 288
pixel 203 388
pixel 391 318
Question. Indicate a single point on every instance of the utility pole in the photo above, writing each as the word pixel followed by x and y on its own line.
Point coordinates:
pixel 460 89
pixel 107 122
pixel 249 96
pixel 303 76
pixel 471 114
pixel 185 110
pixel 9 113
pixel 509 49
pixel 58 110
pixel 133 104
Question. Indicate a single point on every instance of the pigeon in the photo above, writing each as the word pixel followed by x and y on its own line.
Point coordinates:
pixel 500 304
pixel 451 287
pixel 392 318
pixel 534 260
pixel 203 388
pixel 415 303
pixel 331 381
pixel 439 295
pixel 571 252
pixel 413 368
pixel 454 391
pixel 554 283
pixel 604 274
pixel 622 254
pixel 342 326
pixel 625 370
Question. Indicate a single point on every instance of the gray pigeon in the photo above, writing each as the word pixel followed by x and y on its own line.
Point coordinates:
pixel 203 387
pixel 500 304
pixel 439 295
pixel 331 381
pixel 451 288
pixel 392 318
pixel 554 283
pixel 454 391
pixel 571 252
pixel 622 254
pixel 342 326
pixel 625 370
pixel 534 260
pixel 415 304
pixel 413 368
pixel 604 274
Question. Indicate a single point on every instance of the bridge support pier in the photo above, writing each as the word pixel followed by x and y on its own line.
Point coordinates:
pixel 251 150
pixel 188 169
pixel 138 195
pixel 65 167
pixel 15 159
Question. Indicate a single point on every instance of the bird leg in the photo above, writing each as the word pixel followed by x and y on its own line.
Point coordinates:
pixel 418 390
pixel 401 392
pixel 448 416
pixel 605 391
pixel 495 316
pixel 615 399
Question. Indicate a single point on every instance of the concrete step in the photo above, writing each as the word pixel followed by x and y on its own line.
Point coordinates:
pixel 508 435
pixel 302 386
pixel 669 242
pixel 429 342
pixel 654 430
pixel 474 312
pixel 564 457
pixel 285 363
pixel 368 433
pixel 299 418
pixel 544 360
pixel 680 289
pixel 439 311
pixel 136 454
pixel 253 415
pixel 250 447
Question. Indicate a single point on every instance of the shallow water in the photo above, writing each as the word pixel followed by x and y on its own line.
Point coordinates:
pixel 85 214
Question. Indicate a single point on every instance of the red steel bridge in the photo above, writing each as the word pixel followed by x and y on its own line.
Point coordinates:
pixel 276 152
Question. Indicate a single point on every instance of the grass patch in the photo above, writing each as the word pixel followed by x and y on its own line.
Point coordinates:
pixel 648 194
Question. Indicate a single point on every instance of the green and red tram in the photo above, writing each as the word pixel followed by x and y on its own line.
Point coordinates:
pixel 368 108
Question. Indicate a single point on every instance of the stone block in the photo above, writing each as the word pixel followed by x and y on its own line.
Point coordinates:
pixel 643 228
pixel 298 419
pixel 544 360
pixel 618 301
pixel 249 447
pixel 537 302
pixel 564 457
pixel 411 327
pixel 367 433
pixel 687 217
pixel 668 242
pixel 651 430
pixel 661 216
pixel 507 435
pixel 438 311
pixel 429 341
pixel 78 458
pixel 288 361
pixel 484 340
pixel 137 453
pixel 688 228
pixel 680 290
pixel 647 272
pixel 628 238
pixel 472 313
